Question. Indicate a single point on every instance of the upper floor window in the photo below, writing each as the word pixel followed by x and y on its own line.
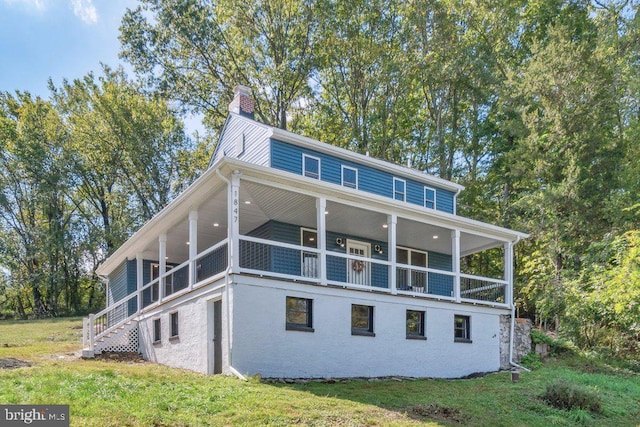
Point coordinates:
pixel 299 314
pixel 429 198
pixel 310 166
pixel 399 189
pixel 349 177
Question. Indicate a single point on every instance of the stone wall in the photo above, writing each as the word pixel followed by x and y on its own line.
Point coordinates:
pixel 521 340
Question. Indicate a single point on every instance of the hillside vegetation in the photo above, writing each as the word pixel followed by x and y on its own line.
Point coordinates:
pixel 110 393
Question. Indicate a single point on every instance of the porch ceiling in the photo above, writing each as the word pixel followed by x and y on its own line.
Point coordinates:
pixel 212 211
pixel 261 203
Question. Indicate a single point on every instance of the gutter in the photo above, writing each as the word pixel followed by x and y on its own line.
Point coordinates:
pixel 227 276
pixel 513 327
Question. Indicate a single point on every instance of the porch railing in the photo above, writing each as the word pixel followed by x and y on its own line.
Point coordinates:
pixel 423 280
pixel 478 288
pixel 176 282
pixel 294 262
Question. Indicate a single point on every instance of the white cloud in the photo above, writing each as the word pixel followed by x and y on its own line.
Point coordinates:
pixel 35 4
pixel 85 10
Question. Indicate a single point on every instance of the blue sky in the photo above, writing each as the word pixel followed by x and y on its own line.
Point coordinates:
pixel 42 39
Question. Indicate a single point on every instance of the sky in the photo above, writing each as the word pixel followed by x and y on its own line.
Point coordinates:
pixel 42 39
pixel 61 39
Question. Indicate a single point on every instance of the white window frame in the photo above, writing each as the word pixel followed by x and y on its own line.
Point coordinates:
pixel 304 163
pixel 342 169
pixel 404 193
pixel 466 330
pixel 426 189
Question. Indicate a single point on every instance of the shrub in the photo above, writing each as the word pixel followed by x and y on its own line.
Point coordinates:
pixel 531 361
pixel 564 395
pixel 556 346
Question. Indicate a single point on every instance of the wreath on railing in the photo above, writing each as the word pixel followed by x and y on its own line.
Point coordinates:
pixel 358 266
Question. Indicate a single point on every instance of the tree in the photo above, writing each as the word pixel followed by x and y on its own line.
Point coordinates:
pixel 196 52
pixel 126 150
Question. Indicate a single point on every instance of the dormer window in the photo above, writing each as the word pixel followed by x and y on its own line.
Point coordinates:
pixel 429 198
pixel 399 189
pixel 349 177
pixel 310 166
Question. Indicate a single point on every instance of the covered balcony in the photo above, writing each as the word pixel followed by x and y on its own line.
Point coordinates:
pixel 314 234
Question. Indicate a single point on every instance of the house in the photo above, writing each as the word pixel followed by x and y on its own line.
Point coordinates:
pixel 292 258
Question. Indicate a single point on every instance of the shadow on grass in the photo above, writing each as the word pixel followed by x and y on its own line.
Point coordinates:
pixel 417 399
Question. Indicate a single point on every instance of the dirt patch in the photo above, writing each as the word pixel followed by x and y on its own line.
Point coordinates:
pixel 11 363
pixel 434 411
pixel 120 356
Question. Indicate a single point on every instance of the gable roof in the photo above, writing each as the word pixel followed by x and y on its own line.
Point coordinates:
pixel 332 150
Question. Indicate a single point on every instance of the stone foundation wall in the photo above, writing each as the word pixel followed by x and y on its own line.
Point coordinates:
pixel 521 340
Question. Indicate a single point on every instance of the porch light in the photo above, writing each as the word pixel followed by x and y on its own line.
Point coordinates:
pixel 247 202
pixel 385 225
pixel 188 243
pixel 326 212
pixel 340 242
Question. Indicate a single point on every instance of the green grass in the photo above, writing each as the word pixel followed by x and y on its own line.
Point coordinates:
pixel 104 393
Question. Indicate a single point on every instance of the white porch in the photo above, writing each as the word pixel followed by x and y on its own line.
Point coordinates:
pixel 327 236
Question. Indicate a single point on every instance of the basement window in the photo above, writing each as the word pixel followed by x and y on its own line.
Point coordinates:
pixel 299 314
pixel 362 320
pixel 174 325
pixel 157 331
pixel 462 328
pixel 415 325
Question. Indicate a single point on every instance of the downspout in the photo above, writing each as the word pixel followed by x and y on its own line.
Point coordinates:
pixel 227 276
pixel 513 325
pixel 455 202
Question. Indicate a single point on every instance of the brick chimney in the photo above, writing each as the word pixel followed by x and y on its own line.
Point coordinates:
pixel 242 102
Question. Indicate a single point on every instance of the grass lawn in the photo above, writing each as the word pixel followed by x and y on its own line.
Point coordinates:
pixel 109 393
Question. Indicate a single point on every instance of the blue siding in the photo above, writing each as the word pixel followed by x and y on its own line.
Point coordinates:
pixel 118 283
pixel 288 261
pixel 440 284
pixel 132 286
pixel 122 283
pixel 288 157
pixel 444 200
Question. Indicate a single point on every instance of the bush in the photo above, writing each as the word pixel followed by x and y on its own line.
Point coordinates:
pixel 563 395
pixel 531 361
pixel 556 346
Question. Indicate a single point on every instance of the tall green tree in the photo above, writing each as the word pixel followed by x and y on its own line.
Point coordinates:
pixel 126 150
pixel 196 52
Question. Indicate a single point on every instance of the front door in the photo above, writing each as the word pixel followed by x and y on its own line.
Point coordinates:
pixel 358 271
pixel 215 328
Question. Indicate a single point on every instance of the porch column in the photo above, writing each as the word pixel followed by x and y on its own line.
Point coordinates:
pixel 193 246
pixel 508 273
pixel 162 264
pixel 139 278
pixel 233 231
pixel 321 220
pixel 455 262
pixel 392 222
